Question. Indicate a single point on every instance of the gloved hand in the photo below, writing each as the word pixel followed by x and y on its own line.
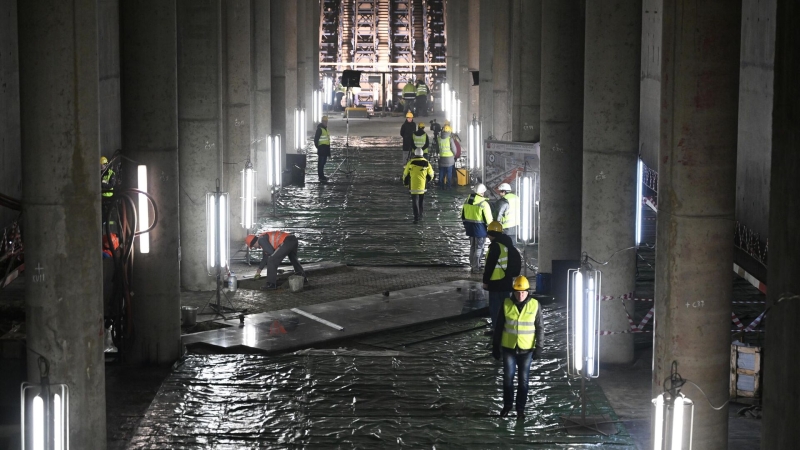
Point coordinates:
pixel 496 354
pixel 257 276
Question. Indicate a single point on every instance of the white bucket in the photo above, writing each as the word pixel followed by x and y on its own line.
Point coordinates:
pixel 295 283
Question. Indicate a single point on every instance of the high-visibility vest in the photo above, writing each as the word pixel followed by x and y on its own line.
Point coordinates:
pixel 475 210
pixel 499 271
pixel 324 137
pixel 422 89
pixel 418 169
pixel 340 88
pixel 520 328
pixel 419 140
pixel 106 183
pixel 276 238
pixel 444 147
pixel 511 219
pixel 409 91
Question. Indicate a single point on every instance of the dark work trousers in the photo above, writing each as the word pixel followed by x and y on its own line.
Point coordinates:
pixel 422 105
pixel 416 204
pixel 289 247
pixel 323 158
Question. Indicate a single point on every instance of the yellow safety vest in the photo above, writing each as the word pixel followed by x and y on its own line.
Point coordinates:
pixel 520 328
pixel 476 209
pixel 409 90
pixel 324 137
pixel 419 140
pixel 422 89
pixel 511 219
pixel 499 271
pixel 341 88
pixel 106 180
pixel 418 169
pixel 444 147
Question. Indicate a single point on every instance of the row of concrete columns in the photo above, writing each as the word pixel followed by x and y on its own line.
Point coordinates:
pixel 203 82
pixel 588 126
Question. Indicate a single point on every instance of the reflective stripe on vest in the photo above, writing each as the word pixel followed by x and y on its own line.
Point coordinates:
pixel 511 219
pixel 520 328
pixel 444 148
pixel 324 137
pixel 422 89
pixel 276 238
pixel 473 210
pixel 419 141
pixel 499 271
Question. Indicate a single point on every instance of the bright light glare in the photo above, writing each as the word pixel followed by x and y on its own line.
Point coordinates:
pixel 144 211
pixel 527 206
pixel 274 161
pixel 328 90
pixel 223 231
pixel 591 306
pixel 577 317
pixel 248 197
pixel 58 432
pixel 211 226
pixel 445 96
pixel 639 175
pixel 677 423
pixel 658 435
pixel 38 423
pixel 276 164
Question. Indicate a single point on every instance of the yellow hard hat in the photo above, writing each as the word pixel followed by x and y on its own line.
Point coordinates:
pixel 521 284
pixel 447 129
pixel 410 114
pixel 103 160
pixel 324 118
pixel 421 125
pixel 496 226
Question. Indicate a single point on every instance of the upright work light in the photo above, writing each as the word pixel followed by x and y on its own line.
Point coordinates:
pixel 526 189
pixel 299 128
pixel 44 415
pixel 144 210
pixel 451 108
pixel 274 158
pixel 445 96
pixel 457 123
pixel 328 87
pixel 248 195
pixel 316 115
pixel 217 231
pixel 639 180
pixel 583 318
pixel 674 419
pixel 475 145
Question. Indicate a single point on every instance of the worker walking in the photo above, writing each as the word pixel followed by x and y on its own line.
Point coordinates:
pixel 508 211
pixel 275 245
pixel 409 95
pixel 476 215
pixel 322 140
pixel 420 138
pixel 416 174
pixel 340 92
pixel 422 98
pixel 407 132
pixel 503 264
pixel 446 158
pixel 518 338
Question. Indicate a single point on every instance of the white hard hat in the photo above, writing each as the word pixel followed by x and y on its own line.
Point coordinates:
pixel 480 189
pixel 504 187
pixel 418 152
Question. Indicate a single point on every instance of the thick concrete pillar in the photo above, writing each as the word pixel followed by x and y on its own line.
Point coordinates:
pixel 781 365
pixel 473 55
pixel 610 149
pixel 262 97
pixel 200 135
pixel 650 87
pixel 238 73
pixel 464 76
pixel 58 72
pixel 10 154
pixel 454 30
pixel 284 70
pixel 495 71
pixel 561 132
pixel 149 61
pixel 303 61
pixel 526 48
pixel 696 193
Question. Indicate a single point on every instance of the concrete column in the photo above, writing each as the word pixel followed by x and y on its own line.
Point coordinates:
pixel 696 193
pixel 495 71
pixel 316 19
pixel 454 30
pixel 610 150
pixel 199 126
pixel 464 76
pixel 149 62
pixel 781 366
pixel 473 56
pixel 238 72
pixel 58 72
pixel 284 70
pixel 109 73
pixel 526 47
pixel 10 153
pixel 561 132
pixel 262 84
pixel 303 66
pixel 650 90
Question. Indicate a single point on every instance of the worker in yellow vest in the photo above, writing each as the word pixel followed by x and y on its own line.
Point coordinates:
pixel 503 264
pixel 476 215
pixel 508 211
pixel 416 174
pixel 275 245
pixel 447 158
pixel 409 95
pixel 322 140
pixel 518 338
pixel 420 138
pixel 421 101
pixel 108 177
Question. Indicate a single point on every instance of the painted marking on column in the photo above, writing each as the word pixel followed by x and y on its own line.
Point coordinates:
pixel 39 277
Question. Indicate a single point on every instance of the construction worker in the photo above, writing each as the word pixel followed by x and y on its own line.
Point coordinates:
pixel 476 215
pixel 407 132
pixel 107 177
pixel 416 174
pixel 322 140
pixel 508 211
pixel 422 98
pixel 518 338
pixel 340 93
pixel 420 138
pixel 436 129
pixel 275 245
pixel 503 264
pixel 409 95
pixel 446 158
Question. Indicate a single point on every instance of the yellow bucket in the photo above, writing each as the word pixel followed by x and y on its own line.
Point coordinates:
pixel 462 176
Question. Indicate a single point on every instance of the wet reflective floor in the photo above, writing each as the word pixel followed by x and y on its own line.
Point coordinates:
pixel 428 386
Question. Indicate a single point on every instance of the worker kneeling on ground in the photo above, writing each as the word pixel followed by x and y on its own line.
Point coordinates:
pixel 275 245
pixel 518 337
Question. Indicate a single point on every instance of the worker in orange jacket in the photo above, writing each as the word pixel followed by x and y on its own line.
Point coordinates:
pixel 275 246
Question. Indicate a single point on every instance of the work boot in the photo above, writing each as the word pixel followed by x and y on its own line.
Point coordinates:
pixel 269 287
pixel 505 411
pixel 520 414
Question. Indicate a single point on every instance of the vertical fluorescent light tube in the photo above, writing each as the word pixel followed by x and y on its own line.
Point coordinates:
pixel 38 423
pixel 278 161
pixel 445 90
pixel 223 231
pixel 639 174
pixel 270 160
pixel 144 211
pixel 677 423
pixel 458 117
pixel 58 430
pixel 590 324
pixel 248 196
pixel 577 321
pixel 658 434
pixel 526 207
pixel 479 148
pixel 471 143
pixel 303 126
pixel 211 229
pixel 296 128
pixel 453 108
